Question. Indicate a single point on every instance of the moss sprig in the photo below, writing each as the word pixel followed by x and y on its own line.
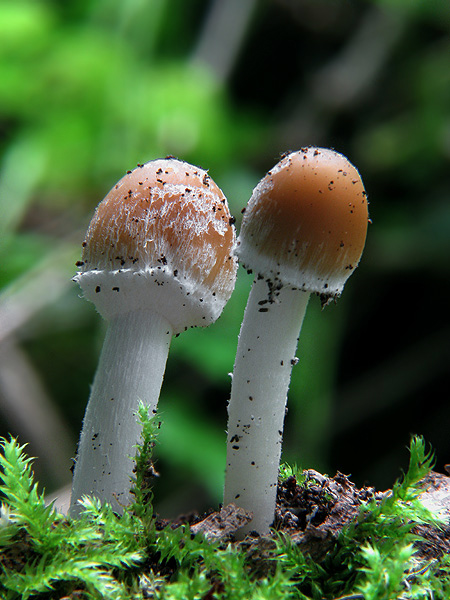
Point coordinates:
pixel 58 554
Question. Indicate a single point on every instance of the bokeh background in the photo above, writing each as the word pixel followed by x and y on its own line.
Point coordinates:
pixel 90 88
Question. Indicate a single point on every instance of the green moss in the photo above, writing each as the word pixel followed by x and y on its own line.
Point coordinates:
pixel 45 555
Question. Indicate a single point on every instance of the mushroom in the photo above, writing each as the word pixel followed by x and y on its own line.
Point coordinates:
pixel 303 232
pixel 156 260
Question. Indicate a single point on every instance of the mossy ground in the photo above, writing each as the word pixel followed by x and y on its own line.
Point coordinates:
pixel 330 540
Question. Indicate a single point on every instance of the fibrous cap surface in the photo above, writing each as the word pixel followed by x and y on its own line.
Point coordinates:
pixel 161 239
pixel 305 224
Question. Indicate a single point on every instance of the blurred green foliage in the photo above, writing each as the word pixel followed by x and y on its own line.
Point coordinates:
pixel 89 89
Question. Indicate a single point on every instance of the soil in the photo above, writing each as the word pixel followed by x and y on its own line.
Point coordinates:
pixel 314 513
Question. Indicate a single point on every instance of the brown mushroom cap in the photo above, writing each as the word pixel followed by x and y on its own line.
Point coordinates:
pixel 166 222
pixel 306 222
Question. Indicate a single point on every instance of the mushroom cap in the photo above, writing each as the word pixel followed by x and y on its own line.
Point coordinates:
pixel 162 239
pixel 305 224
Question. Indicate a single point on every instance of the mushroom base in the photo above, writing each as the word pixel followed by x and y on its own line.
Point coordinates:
pixel 262 372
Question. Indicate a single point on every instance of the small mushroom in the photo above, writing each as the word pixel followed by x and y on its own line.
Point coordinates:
pixel 156 260
pixel 303 232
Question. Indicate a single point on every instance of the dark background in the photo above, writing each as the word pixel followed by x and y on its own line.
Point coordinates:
pixel 89 89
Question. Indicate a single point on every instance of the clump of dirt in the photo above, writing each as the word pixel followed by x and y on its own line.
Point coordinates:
pixel 433 542
pixel 17 554
pixel 314 512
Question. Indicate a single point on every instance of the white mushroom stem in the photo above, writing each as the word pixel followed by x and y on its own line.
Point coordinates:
pixel 262 371
pixel 131 369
